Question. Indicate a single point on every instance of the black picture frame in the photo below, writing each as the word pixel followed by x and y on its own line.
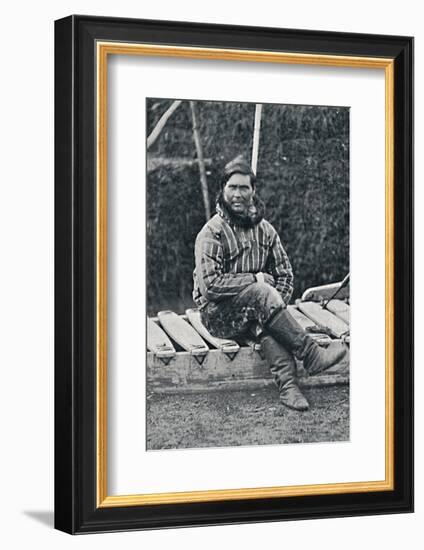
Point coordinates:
pixel 76 483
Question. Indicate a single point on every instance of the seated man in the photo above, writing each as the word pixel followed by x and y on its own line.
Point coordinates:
pixel 243 280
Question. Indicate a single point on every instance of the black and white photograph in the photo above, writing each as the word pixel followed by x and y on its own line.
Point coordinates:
pixel 248 273
pixel 211 262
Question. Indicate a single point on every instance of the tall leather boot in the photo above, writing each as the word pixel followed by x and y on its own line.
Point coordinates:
pixel 282 366
pixel 315 358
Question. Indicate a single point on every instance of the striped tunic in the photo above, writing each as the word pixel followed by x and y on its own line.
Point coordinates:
pixel 228 256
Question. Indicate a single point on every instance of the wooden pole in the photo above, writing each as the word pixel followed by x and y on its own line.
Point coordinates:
pixel 256 132
pixel 161 123
pixel 201 161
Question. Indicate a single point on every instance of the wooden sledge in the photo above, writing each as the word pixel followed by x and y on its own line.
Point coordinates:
pixel 183 357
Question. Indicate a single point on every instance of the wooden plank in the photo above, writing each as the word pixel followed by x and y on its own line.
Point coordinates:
pixel 227 346
pixel 308 325
pixel 158 342
pixel 304 321
pixel 340 309
pixel 323 317
pixel 324 292
pixel 247 369
pixel 183 370
pixel 182 333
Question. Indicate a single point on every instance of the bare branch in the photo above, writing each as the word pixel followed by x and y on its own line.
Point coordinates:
pixel 161 123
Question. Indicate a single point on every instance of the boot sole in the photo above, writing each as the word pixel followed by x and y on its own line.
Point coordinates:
pixel 299 409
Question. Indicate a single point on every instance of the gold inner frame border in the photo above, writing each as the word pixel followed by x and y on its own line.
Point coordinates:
pixel 103 50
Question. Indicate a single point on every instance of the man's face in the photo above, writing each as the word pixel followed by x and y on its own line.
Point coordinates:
pixel 238 192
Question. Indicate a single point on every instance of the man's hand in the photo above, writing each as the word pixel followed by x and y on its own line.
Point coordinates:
pixel 265 278
pixel 269 279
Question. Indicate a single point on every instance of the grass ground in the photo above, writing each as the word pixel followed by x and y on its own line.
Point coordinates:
pixel 229 418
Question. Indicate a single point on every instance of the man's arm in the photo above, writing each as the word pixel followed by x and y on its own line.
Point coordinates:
pixel 280 268
pixel 214 284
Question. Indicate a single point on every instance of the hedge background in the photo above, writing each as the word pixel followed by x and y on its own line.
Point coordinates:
pixel 303 178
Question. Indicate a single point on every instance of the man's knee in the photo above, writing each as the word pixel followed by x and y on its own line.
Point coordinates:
pixel 267 301
pixel 266 292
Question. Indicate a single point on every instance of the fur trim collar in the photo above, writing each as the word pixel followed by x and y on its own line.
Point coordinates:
pixel 254 216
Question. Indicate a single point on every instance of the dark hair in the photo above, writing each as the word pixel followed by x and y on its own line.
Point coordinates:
pixel 237 166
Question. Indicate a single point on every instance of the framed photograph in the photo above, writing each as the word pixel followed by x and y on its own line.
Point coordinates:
pixel 234 274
